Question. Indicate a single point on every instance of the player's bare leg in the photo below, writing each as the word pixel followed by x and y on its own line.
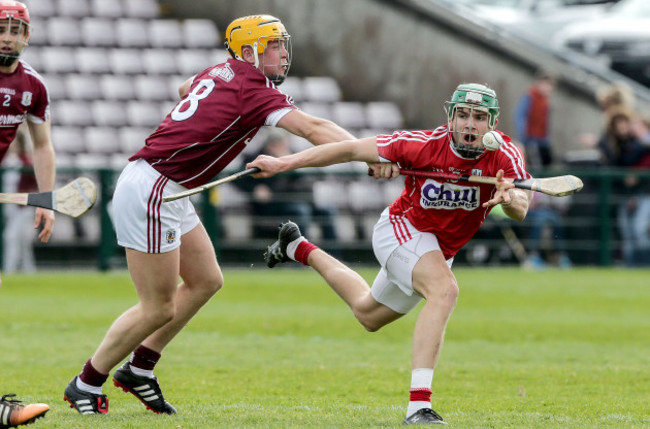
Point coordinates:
pixel 202 278
pixel 353 289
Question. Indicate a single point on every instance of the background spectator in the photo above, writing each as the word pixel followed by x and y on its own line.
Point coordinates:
pixel 533 118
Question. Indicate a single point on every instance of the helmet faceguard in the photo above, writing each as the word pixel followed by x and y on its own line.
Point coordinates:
pixel 14 19
pixel 258 31
pixel 473 97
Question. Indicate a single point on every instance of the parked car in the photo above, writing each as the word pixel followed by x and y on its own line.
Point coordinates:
pixel 535 20
pixel 620 39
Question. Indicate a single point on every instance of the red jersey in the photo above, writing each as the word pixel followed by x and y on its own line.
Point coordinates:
pixel 451 210
pixel 226 106
pixel 23 94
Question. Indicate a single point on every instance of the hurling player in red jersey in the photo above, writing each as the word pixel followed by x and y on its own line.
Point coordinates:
pixel 417 236
pixel 220 111
pixel 24 96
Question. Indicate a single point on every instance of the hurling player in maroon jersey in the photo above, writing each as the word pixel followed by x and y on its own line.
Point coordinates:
pixel 23 96
pixel 417 236
pixel 220 111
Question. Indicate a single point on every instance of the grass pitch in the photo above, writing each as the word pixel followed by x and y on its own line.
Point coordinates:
pixel 278 349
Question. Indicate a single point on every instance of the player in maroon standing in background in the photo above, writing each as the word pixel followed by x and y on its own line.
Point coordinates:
pixel 417 236
pixel 23 95
pixel 221 110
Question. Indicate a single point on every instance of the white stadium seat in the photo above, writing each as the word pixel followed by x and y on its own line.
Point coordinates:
pixel 151 88
pixel 98 31
pixel 92 60
pixel 384 114
pixel 107 9
pixel 82 86
pixel 63 31
pixel 132 33
pixel 349 114
pixel 321 89
pixel 40 8
pixel 116 87
pixel 102 139
pixel 141 8
pixel 58 59
pixel 191 61
pixel 126 61
pixel 74 8
pixel 200 33
pixel 32 56
pixel 67 139
pixel 159 61
pixel 108 113
pixel 55 84
pixel 76 113
pixel 144 114
pixel 165 33
pixel 132 138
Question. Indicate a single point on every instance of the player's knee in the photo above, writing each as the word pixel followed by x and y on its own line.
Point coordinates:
pixel 162 314
pixel 442 293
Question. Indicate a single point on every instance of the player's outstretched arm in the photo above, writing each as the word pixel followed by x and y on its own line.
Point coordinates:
pixel 320 156
pixel 514 201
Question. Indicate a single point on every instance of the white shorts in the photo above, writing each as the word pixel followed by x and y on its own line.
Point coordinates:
pixel 398 246
pixel 142 221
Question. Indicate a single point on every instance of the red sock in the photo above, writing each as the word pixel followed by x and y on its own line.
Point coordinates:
pixel 144 358
pixel 420 394
pixel 303 251
pixel 91 376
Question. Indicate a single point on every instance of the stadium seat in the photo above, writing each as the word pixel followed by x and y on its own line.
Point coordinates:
pixel 141 8
pixel 191 61
pixel 90 160
pixel 32 56
pixel 82 86
pixel 132 138
pixel 173 83
pixel 159 61
pixel 41 8
pixel 320 109
pixel 57 59
pixel 200 33
pixel 102 140
pixel 144 114
pixel 38 34
pixel 132 33
pixel 165 33
pixel 330 193
pixel 151 88
pixel 108 113
pixel 324 89
pixel 55 86
pixel 220 56
pixel 74 113
pixel 92 60
pixel 68 140
pixel 74 8
pixel 292 86
pixel 384 114
pixel 98 32
pixel 126 61
pixel 63 31
pixel 118 161
pixel 116 87
pixel 349 114
pixel 106 9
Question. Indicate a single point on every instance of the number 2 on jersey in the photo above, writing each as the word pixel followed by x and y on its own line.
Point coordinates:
pixel 188 106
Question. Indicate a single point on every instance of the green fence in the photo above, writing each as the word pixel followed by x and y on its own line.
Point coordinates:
pixel 589 219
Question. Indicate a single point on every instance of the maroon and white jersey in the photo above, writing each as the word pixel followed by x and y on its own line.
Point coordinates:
pixel 226 106
pixel 23 94
pixel 449 209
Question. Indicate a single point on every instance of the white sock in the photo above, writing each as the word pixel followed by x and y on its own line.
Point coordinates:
pixel 139 371
pixel 291 247
pixel 421 378
pixel 97 390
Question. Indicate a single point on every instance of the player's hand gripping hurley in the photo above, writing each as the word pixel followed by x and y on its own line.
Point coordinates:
pixel 558 186
pixel 73 199
pixel 210 185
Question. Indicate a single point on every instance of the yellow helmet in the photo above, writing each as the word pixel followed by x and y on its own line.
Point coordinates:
pixel 257 31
